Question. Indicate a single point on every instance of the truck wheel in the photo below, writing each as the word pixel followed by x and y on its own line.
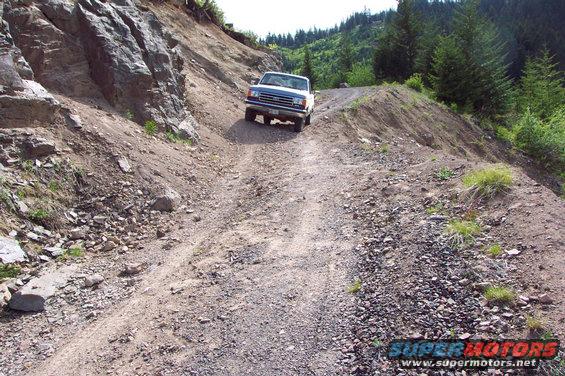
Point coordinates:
pixel 298 125
pixel 250 115
pixel 267 120
pixel 308 120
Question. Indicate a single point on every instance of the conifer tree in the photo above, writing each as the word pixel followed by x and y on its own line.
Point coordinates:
pixel 307 70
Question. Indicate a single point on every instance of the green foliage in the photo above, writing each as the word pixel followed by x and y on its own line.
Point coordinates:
pixel 150 127
pixel 444 173
pixel 462 232
pixel 8 271
pixel 361 75
pixel 73 252
pixel 541 87
pixel 499 295
pixel 39 214
pixel 448 69
pixel 54 186
pixel 129 115
pixel 173 137
pixel 397 48
pixel 27 165
pixel 435 209
pixel 355 286
pixel 307 70
pixel 489 181
pixel 415 82
pixel 494 250
pixel 213 10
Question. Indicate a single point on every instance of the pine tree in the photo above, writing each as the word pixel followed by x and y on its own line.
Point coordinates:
pixel 345 54
pixel 307 70
pixel 449 72
pixel 541 87
pixel 395 55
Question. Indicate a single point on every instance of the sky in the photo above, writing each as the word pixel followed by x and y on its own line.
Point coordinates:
pixel 287 16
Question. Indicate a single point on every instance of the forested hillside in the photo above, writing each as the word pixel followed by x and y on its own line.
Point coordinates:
pixel 499 61
pixel 523 27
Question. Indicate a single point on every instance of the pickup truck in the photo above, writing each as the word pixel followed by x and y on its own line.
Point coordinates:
pixel 281 96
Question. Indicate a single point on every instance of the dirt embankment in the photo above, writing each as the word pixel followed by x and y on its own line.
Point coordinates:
pixel 284 253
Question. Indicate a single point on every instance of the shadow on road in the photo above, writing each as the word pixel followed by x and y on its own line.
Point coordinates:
pixel 251 133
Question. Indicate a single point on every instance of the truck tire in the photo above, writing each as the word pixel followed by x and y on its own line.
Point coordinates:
pixel 308 120
pixel 267 120
pixel 298 125
pixel 250 115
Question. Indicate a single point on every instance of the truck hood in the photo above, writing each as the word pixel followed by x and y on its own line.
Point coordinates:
pixel 280 90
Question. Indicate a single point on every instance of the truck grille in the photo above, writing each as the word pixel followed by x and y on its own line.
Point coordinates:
pixel 278 100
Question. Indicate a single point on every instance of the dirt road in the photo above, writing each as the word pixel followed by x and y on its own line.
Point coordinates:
pixel 258 287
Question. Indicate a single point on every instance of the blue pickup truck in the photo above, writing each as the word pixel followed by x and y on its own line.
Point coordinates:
pixel 281 96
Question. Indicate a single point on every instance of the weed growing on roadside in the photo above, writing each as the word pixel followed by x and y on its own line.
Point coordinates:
pixel 54 186
pixel 499 295
pixel 534 323
pixel 489 181
pixel 129 115
pixel 462 232
pixel 355 287
pixel 384 149
pixel 39 215
pixel 173 137
pixel 444 173
pixel 433 158
pixel 494 250
pixel 150 127
pixel 357 103
pixel 8 271
pixel 27 165
pixel 435 209
pixel 74 252
pixel 415 82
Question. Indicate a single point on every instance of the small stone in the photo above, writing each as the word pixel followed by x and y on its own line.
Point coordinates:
pixel 203 320
pixel 78 233
pixel 93 280
pixel 545 299
pixel 124 165
pixel 131 269
pixel 167 202
pixel 108 246
pixel 465 336
pixel 388 239
pixel 513 252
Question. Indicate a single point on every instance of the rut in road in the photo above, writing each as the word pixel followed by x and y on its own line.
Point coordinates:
pixel 258 287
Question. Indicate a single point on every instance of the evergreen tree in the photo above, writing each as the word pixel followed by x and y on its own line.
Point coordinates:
pixel 345 54
pixel 449 72
pixel 541 87
pixel 395 55
pixel 307 67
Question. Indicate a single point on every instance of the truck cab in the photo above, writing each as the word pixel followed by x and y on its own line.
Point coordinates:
pixel 281 96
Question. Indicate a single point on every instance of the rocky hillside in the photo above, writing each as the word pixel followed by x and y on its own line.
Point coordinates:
pixel 108 122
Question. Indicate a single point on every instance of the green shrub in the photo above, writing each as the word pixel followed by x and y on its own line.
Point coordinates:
pixel 39 215
pixel 499 295
pixel 489 181
pixel 73 252
pixel 355 286
pixel 462 232
pixel 150 127
pixel 415 82
pixel 9 271
pixel 444 173
pixel 494 250
pixel 361 75
pixel 544 141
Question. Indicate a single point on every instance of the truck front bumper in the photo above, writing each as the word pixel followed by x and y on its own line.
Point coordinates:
pixel 275 111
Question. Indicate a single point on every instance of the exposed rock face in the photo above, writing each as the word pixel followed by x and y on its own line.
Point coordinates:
pixel 112 48
pixel 10 251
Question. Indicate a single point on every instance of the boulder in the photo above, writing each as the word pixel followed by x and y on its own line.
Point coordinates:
pixel 187 129
pixel 33 296
pixel 37 147
pixel 5 295
pixel 124 165
pixel 93 280
pixel 167 202
pixel 33 105
pixel 10 251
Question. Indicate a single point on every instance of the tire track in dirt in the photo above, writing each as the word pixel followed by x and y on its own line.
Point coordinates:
pixel 257 287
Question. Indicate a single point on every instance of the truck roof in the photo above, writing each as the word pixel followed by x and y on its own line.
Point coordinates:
pixel 287 74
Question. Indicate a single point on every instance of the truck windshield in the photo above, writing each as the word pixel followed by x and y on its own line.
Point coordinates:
pixel 285 81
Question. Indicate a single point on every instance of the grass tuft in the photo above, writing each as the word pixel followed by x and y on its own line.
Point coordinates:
pixel 150 127
pixel 444 173
pixel 489 181
pixel 355 286
pixel 39 215
pixel 494 250
pixel 534 323
pixel 74 252
pixel 9 271
pixel 463 232
pixel 499 295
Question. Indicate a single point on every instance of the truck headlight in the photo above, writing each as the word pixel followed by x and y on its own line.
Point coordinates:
pixel 299 102
pixel 253 93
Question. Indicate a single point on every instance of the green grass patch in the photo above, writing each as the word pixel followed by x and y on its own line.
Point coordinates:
pixel 357 103
pixel 355 286
pixel 73 252
pixel 444 173
pixel 39 215
pixel 499 294
pixel 384 149
pixel 173 137
pixel 435 209
pixel 54 186
pixel 463 232
pixel 534 323
pixel 494 250
pixel 150 127
pixel 129 115
pixel 27 165
pixel 415 82
pixel 489 181
pixel 9 271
